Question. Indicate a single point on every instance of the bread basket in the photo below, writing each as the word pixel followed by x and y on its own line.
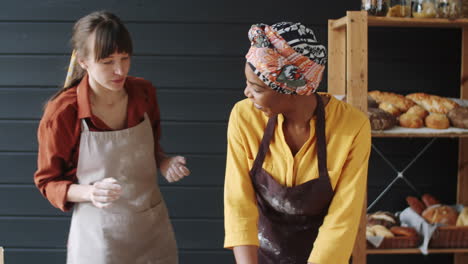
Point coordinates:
pixel 449 237
pixel 398 242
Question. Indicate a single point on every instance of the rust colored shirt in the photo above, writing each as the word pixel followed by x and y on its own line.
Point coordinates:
pixel 60 129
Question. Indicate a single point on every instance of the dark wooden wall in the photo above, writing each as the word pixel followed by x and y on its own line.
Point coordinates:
pixel 193 51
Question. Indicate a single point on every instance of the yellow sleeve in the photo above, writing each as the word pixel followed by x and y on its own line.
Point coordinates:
pixel 240 206
pixel 337 234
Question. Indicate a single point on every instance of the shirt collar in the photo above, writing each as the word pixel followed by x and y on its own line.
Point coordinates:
pixel 83 97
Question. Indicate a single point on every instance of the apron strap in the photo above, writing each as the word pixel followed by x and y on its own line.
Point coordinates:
pixel 264 145
pixel 321 141
pixel 84 125
pixel 321 138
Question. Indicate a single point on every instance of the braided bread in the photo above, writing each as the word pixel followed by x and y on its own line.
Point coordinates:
pixel 399 101
pixel 433 103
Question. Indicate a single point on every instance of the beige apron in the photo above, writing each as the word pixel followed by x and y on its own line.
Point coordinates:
pixel 136 227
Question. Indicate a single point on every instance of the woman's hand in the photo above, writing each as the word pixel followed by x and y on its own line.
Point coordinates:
pixel 102 193
pixel 173 168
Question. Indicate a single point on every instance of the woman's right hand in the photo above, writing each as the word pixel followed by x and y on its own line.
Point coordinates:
pixel 102 193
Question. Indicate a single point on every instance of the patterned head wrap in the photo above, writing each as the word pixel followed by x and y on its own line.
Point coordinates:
pixel 287 57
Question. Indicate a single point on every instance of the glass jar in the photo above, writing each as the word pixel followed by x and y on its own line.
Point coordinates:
pixel 374 7
pixel 424 8
pixel 399 8
pixel 448 8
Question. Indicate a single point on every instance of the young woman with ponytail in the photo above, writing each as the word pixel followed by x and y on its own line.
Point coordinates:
pixel 99 152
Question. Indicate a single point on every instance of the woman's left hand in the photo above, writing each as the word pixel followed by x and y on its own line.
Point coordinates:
pixel 174 168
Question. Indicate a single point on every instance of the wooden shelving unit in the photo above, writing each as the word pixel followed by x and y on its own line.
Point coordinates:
pixel 348 74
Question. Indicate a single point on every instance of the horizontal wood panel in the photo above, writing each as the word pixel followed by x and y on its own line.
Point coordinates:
pixel 53 233
pixel 178 72
pixel 227 73
pixel 175 11
pixel 176 137
pixel 183 202
pixel 58 256
pixel 19 168
pixel 187 105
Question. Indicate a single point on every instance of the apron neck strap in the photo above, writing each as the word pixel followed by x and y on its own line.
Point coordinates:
pixel 321 140
pixel 265 144
pixel 84 125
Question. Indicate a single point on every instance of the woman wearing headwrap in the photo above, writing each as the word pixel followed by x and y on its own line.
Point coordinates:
pixel 297 160
pixel 99 151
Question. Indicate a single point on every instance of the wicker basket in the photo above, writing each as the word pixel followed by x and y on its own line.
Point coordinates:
pixel 450 237
pixel 398 242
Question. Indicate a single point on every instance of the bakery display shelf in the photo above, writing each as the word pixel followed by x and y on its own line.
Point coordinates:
pixel 417 251
pixel 375 21
pixel 415 133
pixel 348 75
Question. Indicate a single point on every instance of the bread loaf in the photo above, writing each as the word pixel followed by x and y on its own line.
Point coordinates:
pixel 437 121
pixel 402 103
pixel 463 217
pixel 419 111
pixel 415 204
pixel 403 231
pixel 459 117
pixel 386 219
pixel 390 108
pixel 440 214
pixel 410 121
pixel 429 200
pixel 433 103
pixel 380 120
pixel 380 230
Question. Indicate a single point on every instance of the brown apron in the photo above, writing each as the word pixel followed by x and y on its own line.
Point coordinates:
pixel 136 227
pixel 290 217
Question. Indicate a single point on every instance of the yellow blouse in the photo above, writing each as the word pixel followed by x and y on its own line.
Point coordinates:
pixel 348 137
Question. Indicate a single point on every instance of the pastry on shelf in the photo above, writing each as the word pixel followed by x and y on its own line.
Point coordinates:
pixel 462 219
pixel 419 111
pixel 403 231
pixel 429 200
pixel 433 103
pixel 371 103
pixel 459 117
pixel 380 120
pixel 416 204
pixel 390 108
pixel 437 121
pixel 380 230
pixel 401 102
pixel 441 214
pixel 382 218
pixel 410 121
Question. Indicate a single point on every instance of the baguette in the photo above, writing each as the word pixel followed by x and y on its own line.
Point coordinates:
pixel 415 204
pixel 433 103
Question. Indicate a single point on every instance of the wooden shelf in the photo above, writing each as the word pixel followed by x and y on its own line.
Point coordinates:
pixel 383 134
pixel 348 75
pixel 417 251
pixel 416 22
pixel 375 21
